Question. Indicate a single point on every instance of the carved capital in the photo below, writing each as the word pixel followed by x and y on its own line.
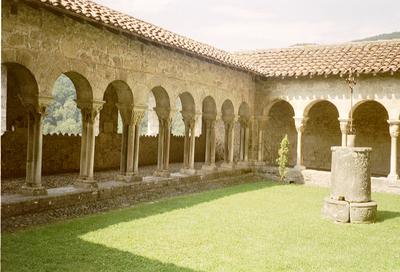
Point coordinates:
pixel 300 123
pixel 137 116
pixel 90 109
pixel 394 126
pixel 344 125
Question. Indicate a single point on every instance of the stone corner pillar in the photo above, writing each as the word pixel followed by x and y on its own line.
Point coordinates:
pixel 35 112
pixel 394 130
pixel 300 123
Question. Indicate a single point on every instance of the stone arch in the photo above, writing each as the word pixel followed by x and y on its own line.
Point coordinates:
pixel 244 110
pixel 209 107
pixel 227 110
pixel 322 130
pixel 82 86
pixel 266 109
pixel 279 122
pixel 372 130
pixel 117 93
pixel 22 90
pixel 311 104
pixel 20 94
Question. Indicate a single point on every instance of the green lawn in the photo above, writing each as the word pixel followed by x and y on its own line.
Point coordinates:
pixel 254 227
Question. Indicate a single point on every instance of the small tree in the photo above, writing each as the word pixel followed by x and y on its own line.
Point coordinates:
pixel 282 160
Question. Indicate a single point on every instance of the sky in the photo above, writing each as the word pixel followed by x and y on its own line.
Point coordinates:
pixel 256 24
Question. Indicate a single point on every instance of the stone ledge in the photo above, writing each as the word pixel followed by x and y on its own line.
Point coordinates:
pixel 16 207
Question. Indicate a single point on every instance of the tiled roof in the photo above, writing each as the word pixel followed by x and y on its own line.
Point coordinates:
pixel 359 57
pixel 92 11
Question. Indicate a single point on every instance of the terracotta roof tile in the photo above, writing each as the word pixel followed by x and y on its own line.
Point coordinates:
pixel 360 57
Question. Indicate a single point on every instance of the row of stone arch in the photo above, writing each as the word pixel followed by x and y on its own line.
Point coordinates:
pixel 120 95
pixel 321 127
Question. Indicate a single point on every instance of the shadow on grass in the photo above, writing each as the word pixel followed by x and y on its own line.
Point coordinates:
pixel 57 247
pixel 386 215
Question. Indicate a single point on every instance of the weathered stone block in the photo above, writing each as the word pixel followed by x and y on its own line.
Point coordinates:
pixel 336 210
pixel 363 212
pixel 351 175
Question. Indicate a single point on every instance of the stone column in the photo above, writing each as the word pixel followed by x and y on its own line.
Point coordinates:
pixel 229 143
pixel 394 133
pixel 300 123
pixel 138 115
pixel 164 135
pixel 244 141
pixel 262 123
pixel 209 164
pixel 344 124
pixel 89 112
pixel 130 143
pixel 207 159
pixel 36 112
pixel 190 138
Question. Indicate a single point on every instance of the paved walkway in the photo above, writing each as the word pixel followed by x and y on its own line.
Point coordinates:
pixel 13 185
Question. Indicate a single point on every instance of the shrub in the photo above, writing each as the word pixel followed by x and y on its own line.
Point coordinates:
pixel 282 160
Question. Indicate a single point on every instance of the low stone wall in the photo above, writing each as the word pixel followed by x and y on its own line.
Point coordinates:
pixel 61 153
pixel 21 211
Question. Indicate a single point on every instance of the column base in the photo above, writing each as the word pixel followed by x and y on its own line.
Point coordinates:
pixel 162 173
pixel 188 171
pixel 242 164
pixel 227 165
pixel 33 191
pixel 394 179
pixel 258 163
pixel 209 167
pixel 86 183
pixel 129 178
pixel 299 167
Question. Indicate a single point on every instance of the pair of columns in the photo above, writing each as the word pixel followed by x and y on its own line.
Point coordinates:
pixel 36 111
pixel 189 119
pixel 229 123
pixel 209 163
pixel 129 163
pixel 164 136
pixel 89 112
pixel 244 140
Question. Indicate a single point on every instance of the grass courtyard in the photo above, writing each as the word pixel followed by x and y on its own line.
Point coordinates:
pixel 261 226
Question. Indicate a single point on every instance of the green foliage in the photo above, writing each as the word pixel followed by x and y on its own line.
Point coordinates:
pixel 282 160
pixel 63 116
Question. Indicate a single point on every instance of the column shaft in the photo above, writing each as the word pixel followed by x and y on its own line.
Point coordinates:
pixel 192 146
pixel 38 150
pixel 130 152
pixel 212 143
pixel 137 143
pixel 246 144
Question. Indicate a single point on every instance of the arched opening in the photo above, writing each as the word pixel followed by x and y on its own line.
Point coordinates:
pixel 322 131
pixel 372 130
pixel 162 110
pixel 114 115
pixel 63 116
pixel 279 123
pixel 19 94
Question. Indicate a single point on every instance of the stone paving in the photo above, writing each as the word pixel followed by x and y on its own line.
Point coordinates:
pixel 13 185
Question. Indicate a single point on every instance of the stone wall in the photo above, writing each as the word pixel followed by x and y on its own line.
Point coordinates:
pixel 49 44
pixel 61 153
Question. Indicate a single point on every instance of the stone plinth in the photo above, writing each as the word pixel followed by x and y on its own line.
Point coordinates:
pixel 363 212
pixel 350 198
pixel 336 210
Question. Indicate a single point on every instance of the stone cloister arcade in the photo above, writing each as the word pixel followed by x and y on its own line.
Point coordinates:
pixel 312 127
pixel 23 99
pixel 234 114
